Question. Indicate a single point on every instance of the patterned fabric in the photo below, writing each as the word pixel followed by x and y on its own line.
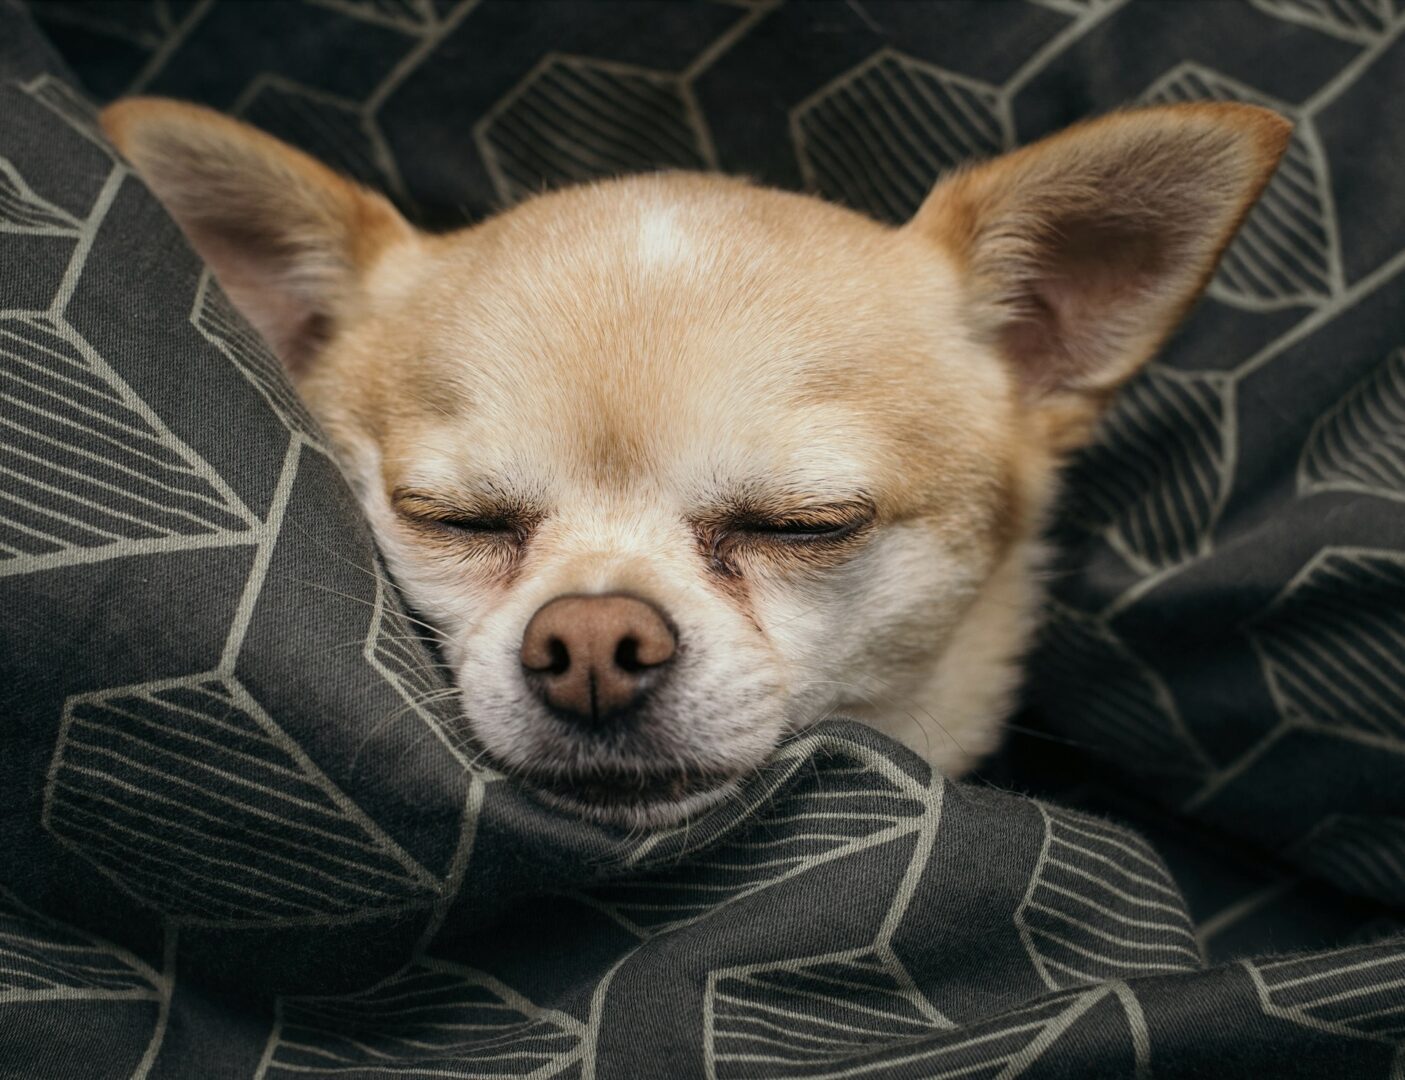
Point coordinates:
pixel 242 836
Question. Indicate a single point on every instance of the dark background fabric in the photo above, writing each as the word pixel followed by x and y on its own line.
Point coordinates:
pixel 241 836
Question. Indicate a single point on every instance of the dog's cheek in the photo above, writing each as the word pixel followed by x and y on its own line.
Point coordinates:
pixel 727 703
pixel 360 461
pixel 443 589
pixel 869 632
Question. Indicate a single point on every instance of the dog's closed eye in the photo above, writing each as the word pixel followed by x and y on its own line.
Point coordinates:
pixel 479 525
pixel 439 518
pixel 809 536
pixel 797 530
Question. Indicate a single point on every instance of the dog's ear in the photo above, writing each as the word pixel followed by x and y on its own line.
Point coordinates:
pixel 1079 254
pixel 288 239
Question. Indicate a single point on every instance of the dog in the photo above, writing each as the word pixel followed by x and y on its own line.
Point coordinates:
pixel 677 464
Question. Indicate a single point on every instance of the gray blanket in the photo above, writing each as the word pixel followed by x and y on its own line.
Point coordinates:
pixel 240 834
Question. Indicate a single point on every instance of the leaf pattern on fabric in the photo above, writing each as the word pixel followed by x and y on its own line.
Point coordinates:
pixel 862 804
pixel 878 137
pixel 1125 711
pixel 787 1029
pixel 798 1017
pixel 1359 444
pixel 1101 906
pixel 574 119
pixel 396 648
pixel 1286 251
pixel 1349 991
pixel 1364 853
pixel 22 211
pixel 1337 666
pixel 41 960
pixel 188 796
pixel 223 327
pixel 434 1019
pixel 289 837
pixel 88 468
pixel 1157 477
pixel 1361 21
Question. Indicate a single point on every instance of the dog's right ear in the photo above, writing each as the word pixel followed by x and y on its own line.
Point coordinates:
pixel 288 239
pixel 1079 254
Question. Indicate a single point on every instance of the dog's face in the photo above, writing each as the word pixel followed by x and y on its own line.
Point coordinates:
pixel 677 465
pixel 756 418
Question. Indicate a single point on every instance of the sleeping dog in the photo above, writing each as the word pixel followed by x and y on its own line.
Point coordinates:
pixel 677 464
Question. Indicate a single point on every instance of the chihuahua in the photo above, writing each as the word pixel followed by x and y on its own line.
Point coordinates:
pixel 677 464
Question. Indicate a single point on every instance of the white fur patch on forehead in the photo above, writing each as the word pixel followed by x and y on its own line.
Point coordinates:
pixel 662 241
pixel 434 469
pixel 442 462
pixel 776 451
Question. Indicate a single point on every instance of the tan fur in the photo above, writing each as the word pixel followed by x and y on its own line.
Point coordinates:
pixel 623 374
pixel 289 237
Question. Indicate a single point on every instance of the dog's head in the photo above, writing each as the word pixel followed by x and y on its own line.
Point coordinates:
pixel 677 464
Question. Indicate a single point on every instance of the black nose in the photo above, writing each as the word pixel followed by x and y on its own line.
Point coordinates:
pixel 596 657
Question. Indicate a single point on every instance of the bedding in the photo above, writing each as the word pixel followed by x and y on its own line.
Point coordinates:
pixel 241 834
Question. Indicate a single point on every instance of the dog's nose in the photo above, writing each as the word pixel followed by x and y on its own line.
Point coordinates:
pixel 593 657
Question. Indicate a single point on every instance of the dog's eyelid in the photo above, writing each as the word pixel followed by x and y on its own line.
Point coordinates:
pixel 817 516
pixel 800 528
pixel 509 520
pixel 492 503
pixel 829 521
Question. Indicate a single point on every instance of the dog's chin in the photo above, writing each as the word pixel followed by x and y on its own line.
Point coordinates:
pixel 638 801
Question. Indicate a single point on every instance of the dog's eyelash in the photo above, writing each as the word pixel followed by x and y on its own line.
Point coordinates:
pixel 816 539
pixel 487 525
pixel 814 524
pixel 797 530
pixel 496 525
pixel 501 533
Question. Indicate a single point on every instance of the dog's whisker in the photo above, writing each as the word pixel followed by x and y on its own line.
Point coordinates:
pixel 384 723
pixel 361 643
pixel 904 702
pixel 368 603
pixel 381 577
pixel 792 618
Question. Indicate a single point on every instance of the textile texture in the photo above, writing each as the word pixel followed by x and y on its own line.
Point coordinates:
pixel 242 833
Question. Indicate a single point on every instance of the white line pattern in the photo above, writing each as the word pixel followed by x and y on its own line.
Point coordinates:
pixel 396 651
pixel 1358 991
pixel 187 796
pixel 1156 479
pixel 870 804
pixel 855 1040
pixel 1360 853
pixel 1124 709
pixel 1361 21
pixel 23 211
pixel 1285 251
pixel 43 960
pixel 1335 664
pixel 575 119
pixel 434 1019
pixel 1101 906
pixel 879 136
pixel 85 464
pixel 224 328
pixel 1359 444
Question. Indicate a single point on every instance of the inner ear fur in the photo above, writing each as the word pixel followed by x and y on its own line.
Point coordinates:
pixel 1082 252
pixel 288 238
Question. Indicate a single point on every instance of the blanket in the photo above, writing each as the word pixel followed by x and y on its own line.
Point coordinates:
pixel 242 832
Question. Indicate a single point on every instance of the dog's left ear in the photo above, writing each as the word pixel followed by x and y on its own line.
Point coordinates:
pixel 290 240
pixel 1079 254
